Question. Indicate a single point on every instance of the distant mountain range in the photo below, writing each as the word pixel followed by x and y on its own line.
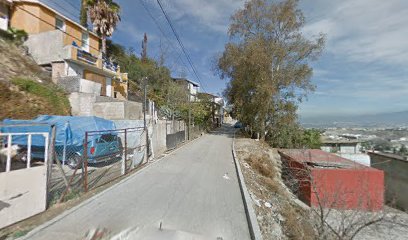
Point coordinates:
pixel 368 120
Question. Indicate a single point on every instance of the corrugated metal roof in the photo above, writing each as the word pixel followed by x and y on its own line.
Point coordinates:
pixel 316 158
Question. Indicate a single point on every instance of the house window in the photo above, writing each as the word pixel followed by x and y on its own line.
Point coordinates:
pixel 115 94
pixel 85 41
pixel 59 23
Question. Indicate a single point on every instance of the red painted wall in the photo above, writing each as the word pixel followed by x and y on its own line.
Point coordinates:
pixel 347 188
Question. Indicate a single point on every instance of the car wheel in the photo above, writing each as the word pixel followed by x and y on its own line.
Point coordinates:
pixel 73 161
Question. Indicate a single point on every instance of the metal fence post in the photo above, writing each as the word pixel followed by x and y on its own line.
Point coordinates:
pixel 8 163
pixel 85 162
pixel 49 161
pixel 125 155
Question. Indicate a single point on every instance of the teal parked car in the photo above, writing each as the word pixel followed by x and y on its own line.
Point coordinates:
pixel 106 148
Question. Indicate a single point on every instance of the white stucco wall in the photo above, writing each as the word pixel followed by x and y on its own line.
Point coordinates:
pixel 348 149
pixel 72 69
pixel 361 158
pixel 108 87
pixel 87 86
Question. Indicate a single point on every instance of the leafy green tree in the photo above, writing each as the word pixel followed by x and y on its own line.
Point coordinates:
pixel 403 150
pixel 267 62
pixel 311 139
pixel 170 97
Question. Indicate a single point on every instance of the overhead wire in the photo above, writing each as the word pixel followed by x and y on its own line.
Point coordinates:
pixel 72 5
pixel 181 44
pixel 74 15
pixel 164 35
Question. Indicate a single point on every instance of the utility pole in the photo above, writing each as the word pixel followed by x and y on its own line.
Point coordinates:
pixel 189 119
pixel 144 60
pixel 189 111
pixel 144 117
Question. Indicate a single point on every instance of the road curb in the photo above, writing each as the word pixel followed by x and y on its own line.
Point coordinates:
pixel 253 225
pixel 91 199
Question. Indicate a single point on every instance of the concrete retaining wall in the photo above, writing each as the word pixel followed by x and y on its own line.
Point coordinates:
pixel 82 103
pixel 73 84
pixel 118 110
pixel 43 50
pixel 87 86
pixel 159 137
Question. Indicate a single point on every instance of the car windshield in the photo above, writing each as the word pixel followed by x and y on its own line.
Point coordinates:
pixel 107 138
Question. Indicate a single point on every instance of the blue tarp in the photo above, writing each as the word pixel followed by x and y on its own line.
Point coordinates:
pixel 69 130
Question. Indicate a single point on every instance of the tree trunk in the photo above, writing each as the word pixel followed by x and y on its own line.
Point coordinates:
pixel 83 15
pixel 104 45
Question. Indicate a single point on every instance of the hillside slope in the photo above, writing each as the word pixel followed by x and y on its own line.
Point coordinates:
pixel 25 89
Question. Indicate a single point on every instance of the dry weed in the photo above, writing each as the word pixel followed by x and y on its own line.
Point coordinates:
pixel 262 165
pixel 296 225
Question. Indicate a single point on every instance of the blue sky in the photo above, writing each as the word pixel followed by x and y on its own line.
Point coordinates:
pixel 363 69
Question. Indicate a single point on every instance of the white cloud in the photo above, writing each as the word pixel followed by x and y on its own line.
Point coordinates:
pixel 211 14
pixel 363 30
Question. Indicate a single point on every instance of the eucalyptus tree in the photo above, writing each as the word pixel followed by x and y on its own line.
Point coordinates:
pixel 267 61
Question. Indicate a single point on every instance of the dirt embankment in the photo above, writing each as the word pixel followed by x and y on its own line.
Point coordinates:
pixel 280 214
pixel 25 89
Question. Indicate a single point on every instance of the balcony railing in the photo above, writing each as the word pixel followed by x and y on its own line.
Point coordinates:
pixel 86 56
pixel 108 64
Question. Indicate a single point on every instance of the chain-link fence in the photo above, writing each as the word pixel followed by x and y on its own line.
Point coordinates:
pixel 104 156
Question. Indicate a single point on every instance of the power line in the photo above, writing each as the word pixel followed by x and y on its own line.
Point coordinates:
pixel 74 15
pixel 80 40
pixel 181 44
pixel 72 5
pixel 164 35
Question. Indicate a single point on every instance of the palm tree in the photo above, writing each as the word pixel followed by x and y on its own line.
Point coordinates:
pixel 104 15
pixel 83 15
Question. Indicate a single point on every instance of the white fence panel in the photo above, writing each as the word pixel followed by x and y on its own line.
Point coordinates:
pixel 22 194
pixel 23 186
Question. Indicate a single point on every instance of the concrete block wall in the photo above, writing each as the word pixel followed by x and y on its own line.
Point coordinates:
pixel 159 137
pixel 43 50
pixel 118 110
pixel 133 110
pixel 82 103
pixel 396 178
pixel 58 70
pixel 70 83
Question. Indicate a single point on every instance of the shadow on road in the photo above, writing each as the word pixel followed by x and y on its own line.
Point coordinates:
pixel 225 130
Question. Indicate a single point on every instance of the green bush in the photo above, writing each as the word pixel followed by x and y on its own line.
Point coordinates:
pixel 19 36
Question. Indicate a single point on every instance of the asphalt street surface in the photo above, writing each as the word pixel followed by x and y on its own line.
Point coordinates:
pixel 193 193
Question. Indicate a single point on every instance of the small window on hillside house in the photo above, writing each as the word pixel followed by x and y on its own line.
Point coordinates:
pixel 59 23
pixel 85 41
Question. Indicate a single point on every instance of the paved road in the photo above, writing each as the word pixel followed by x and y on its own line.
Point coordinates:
pixel 194 192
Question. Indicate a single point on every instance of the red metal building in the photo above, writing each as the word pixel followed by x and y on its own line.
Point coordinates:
pixel 324 179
